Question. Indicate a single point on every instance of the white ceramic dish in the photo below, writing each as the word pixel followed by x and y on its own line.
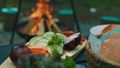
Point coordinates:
pixel 96 30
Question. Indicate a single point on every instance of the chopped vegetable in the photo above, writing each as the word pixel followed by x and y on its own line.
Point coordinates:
pixel 34 40
pixel 55 44
pixel 44 39
pixel 82 40
pixel 39 50
pixel 50 40
pixel 41 61
pixel 68 62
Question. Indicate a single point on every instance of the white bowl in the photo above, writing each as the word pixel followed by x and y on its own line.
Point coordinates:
pixel 96 30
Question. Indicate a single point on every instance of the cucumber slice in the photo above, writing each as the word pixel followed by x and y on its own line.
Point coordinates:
pixel 42 44
pixel 34 40
pixel 62 45
pixel 48 34
pixel 43 40
pixel 57 48
pixel 61 35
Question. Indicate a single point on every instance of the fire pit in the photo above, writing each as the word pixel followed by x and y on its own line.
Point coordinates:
pixel 20 29
pixel 40 21
pixel 27 37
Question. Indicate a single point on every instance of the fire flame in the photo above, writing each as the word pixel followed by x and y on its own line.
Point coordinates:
pixel 43 9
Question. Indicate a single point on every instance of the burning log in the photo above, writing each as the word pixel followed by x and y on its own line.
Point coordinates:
pixel 51 22
pixel 38 28
pixel 41 20
pixel 34 28
pixel 46 23
pixel 41 27
pixel 49 27
pixel 29 26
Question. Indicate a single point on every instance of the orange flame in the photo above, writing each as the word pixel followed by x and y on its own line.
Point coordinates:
pixel 43 9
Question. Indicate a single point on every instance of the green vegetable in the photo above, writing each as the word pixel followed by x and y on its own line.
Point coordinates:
pixel 34 40
pixel 47 37
pixel 55 40
pixel 61 35
pixel 68 62
pixel 40 61
pixel 48 34
pixel 55 44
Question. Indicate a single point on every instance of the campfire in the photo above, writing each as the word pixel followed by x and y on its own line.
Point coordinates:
pixel 41 19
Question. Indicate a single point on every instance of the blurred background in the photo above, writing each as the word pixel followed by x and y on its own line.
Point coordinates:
pixel 88 13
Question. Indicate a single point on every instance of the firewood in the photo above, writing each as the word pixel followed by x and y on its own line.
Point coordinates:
pixel 29 26
pixel 49 27
pixel 41 27
pixel 56 27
